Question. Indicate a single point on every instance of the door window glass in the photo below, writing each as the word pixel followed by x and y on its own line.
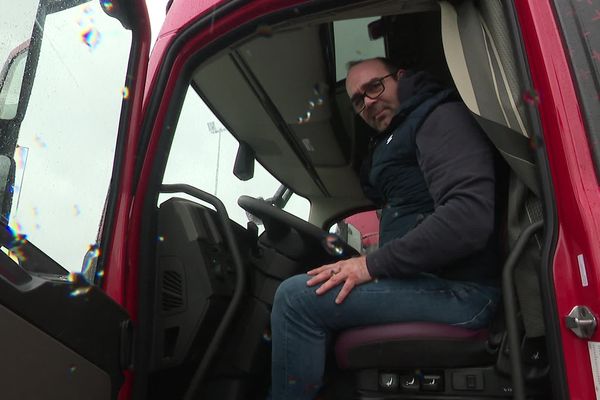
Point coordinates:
pixel 361 231
pixel 63 137
pixel 352 43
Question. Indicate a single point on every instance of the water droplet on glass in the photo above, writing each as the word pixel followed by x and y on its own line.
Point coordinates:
pixel 125 92
pixel 16 241
pixel 40 142
pixel 90 261
pixel 77 278
pixel 531 97
pixel 333 245
pixel 91 37
pixel 80 291
pixel 82 285
pixel 107 5
pixel 13 229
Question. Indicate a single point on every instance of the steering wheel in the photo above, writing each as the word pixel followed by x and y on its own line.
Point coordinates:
pixel 281 226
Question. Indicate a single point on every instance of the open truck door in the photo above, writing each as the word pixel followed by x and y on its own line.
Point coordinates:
pixel 71 78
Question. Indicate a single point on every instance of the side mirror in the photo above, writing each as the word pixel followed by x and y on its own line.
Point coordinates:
pixel 7 179
pixel 11 80
pixel 243 168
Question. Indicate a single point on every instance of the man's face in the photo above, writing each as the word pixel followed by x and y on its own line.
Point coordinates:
pixel 378 113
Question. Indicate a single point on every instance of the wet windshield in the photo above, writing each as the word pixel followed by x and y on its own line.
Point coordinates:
pixel 62 80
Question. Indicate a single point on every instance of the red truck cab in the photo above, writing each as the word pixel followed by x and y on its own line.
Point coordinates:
pixel 129 267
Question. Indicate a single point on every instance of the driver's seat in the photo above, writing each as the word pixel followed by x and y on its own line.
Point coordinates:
pixel 420 357
pixel 431 360
pixel 404 345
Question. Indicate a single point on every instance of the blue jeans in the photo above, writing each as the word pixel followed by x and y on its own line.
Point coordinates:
pixel 302 322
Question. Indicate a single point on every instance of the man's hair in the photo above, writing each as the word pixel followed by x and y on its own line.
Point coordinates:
pixel 389 64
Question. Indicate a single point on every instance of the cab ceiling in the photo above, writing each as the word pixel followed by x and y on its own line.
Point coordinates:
pixel 273 93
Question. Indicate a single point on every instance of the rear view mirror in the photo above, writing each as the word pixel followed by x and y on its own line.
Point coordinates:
pixel 243 168
pixel 7 178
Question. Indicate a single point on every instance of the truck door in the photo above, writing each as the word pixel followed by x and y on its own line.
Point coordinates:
pixel 67 95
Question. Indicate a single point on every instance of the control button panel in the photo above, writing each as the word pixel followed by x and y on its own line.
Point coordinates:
pixel 410 382
pixel 432 383
pixel 389 382
pixel 467 380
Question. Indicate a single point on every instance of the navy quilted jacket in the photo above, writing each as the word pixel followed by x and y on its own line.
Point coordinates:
pixel 432 173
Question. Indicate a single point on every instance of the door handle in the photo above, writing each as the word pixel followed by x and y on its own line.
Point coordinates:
pixel 582 322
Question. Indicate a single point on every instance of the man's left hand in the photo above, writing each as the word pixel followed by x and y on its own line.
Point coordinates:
pixel 350 272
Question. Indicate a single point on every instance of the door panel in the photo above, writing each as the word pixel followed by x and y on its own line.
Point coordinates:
pixel 33 362
pixel 77 321
pixel 69 87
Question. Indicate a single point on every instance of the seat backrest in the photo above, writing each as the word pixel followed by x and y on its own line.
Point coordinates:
pixel 477 48
pixel 481 58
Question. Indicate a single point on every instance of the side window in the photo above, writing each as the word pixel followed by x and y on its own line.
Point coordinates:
pixel 352 43
pixel 63 137
pixel 360 231
pixel 202 155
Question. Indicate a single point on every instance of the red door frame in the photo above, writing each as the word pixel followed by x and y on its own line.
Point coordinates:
pixel 577 194
pixel 117 273
pixel 122 281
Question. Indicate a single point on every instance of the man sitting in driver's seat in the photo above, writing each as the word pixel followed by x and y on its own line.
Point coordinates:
pixel 431 170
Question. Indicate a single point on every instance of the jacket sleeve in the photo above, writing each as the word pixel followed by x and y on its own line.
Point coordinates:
pixel 457 162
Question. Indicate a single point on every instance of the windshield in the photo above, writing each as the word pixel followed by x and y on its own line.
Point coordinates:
pixel 203 154
pixel 64 64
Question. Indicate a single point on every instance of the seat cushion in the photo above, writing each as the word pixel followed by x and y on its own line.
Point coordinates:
pixel 412 345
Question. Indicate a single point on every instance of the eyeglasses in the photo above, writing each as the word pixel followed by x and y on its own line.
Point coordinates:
pixel 373 90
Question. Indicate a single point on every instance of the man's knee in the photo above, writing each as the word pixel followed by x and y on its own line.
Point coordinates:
pixel 290 289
